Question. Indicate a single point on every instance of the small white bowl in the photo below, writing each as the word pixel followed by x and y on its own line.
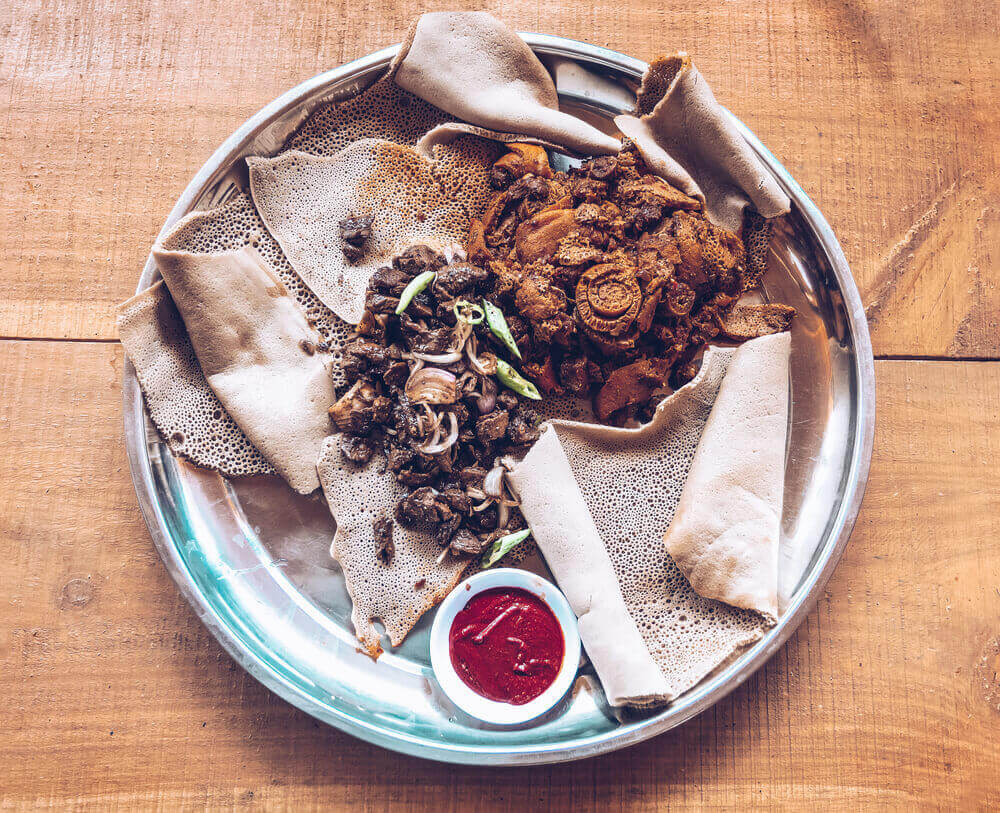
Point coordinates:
pixel 491 711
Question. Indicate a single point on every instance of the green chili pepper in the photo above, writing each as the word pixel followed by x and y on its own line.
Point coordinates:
pixel 468 312
pixel 503 546
pixel 498 326
pixel 416 285
pixel 511 378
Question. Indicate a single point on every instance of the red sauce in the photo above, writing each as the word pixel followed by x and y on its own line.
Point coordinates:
pixel 507 645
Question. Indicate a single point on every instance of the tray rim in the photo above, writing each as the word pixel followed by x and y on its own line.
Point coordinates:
pixel 697 699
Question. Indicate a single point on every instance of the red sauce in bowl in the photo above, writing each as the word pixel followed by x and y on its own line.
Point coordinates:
pixel 507 645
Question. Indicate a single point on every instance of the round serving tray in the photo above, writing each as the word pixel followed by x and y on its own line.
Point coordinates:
pixel 252 558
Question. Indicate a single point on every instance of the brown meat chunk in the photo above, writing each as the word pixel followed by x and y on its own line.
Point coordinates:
pixel 588 190
pixel 524 159
pixel 460 278
pixel 632 384
pixel 457 499
pixel 352 412
pixel 422 508
pixel 464 541
pixel 538 237
pixel 354 231
pixel 652 190
pixel 357 449
pixel 544 304
pixel 390 280
pixel 417 259
pixel 493 426
pixel 385 549
pixel 475 244
pixel 574 375
pixel 603 168
pixel 472 476
pixel 522 432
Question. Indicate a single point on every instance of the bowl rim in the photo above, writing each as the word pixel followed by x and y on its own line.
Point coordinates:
pixel 696 700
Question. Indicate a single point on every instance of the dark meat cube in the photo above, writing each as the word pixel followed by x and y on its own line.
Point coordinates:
pixel 357 449
pixel 460 278
pixel 522 432
pixel 457 499
pixel 416 259
pixel 379 303
pixel 574 376
pixel 385 550
pixel 507 399
pixel 382 409
pixel 399 457
pixel 530 186
pixel 472 476
pixel 421 508
pixel 464 541
pixel 396 374
pixel 390 280
pixel 493 426
pixel 449 523
pixel 603 168
pixel 588 190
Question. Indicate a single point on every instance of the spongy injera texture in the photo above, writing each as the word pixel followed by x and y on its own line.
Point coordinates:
pixel 632 486
pixel 398 594
pixel 181 405
pixel 302 198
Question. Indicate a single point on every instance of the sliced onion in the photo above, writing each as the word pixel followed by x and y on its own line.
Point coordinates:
pixel 483 505
pixel 485 364
pixel 503 514
pixel 431 385
pixel 475 493
pixel 448 442
pixel 493 483
pixel 439 358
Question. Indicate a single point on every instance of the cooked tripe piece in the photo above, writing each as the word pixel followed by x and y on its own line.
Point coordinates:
pixel 258 354
pixel 304 198
pixel 724 535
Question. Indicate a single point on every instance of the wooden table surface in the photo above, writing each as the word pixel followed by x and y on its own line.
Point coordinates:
pixel 114 695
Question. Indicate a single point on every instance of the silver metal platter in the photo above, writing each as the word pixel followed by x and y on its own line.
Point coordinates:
pixel 251 557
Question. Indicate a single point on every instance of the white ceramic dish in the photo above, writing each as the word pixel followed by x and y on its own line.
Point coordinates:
pixel 475 705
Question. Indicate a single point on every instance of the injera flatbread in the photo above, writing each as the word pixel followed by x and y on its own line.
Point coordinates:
pixel 473 66
pixel 302 198
pixel 398 594
pixel 630 481
pixel 182 406
pixel 258 354
pixel 724 536
pixel 687 137
pixel 384 111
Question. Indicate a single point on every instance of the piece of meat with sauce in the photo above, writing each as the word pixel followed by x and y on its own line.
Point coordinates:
pixel 537 238
pixel 546 307
pixel 492 426
pixel 632 384
pixel 461 278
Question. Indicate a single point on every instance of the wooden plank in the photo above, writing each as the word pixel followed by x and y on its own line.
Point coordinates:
pixel 888 114
pixel 115 695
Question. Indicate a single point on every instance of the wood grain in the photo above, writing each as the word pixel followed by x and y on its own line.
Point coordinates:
pixel 114 695
pixel 888 113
